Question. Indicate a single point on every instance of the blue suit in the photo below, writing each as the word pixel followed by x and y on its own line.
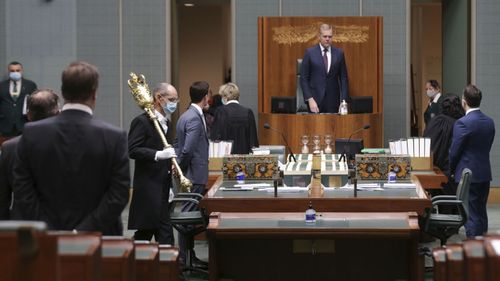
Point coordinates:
pixel 470 148
pixel 327 89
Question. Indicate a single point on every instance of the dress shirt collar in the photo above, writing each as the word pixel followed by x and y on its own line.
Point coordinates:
pixel 232 101
pixel 77 106
pixel 436 98
pixel 471 109
pixel 322 48
pixel 163 121
pixel 198 108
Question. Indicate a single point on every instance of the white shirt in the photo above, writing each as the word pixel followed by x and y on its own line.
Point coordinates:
pixel 471 109
pixel 232 101
pixel 77 106
pixel 328 54
pixel 436 97
pixel 162 120
pixel 18 88
pixel 200 111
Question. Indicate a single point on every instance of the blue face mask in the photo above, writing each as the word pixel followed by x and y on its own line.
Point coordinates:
pixel 16 76
pixel 170 107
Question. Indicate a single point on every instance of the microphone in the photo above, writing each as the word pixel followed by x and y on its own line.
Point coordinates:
pixel 344 154
pixel 291 155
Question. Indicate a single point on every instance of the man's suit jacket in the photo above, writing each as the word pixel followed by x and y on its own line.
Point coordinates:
pixel 470 148
pixel 317 83
pixel 151 178
pixel 433 110
pixel 192 146
pixel 72 171
pixel 237 123
pixel 7 158
pixel 12 119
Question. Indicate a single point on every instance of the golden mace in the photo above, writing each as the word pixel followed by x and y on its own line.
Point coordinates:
pixel 140 91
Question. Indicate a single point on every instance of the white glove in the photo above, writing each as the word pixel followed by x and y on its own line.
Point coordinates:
pixel 167 153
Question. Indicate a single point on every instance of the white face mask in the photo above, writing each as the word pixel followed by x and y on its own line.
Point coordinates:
pixel 430 93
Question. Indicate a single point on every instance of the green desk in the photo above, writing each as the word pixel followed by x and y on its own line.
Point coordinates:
pixel 332 200
pixel 339 246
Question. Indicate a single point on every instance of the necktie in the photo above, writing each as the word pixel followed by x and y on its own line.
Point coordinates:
pixel 15 94
pixel 325 58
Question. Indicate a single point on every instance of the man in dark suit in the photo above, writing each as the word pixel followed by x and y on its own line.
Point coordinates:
pixel 323 75
pixel 192 145
pixel 152 174
pixel 13 93
pixel 470 148
pixel 234 122
pixel 41 104
pixel 72 170
pixel 433 92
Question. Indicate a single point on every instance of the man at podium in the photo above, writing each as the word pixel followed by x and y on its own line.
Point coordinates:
pixel 323 75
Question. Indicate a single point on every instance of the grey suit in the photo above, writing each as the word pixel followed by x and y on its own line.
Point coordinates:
pixel 72 171
pixel 192 146
pixel 192 155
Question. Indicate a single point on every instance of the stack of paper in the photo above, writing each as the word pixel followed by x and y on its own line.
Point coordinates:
pixel 415 147
pixel 219 148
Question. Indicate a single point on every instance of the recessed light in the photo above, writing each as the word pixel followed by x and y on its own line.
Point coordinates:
pixel 188 5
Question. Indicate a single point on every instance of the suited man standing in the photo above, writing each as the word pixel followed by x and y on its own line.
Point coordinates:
pixel 470 148
pixel 152 174
pixel 192 145
pixel 323 74
pixel 234 122
pixel 72 170
pixel 13 93
pixel 433 92
pixel 41 104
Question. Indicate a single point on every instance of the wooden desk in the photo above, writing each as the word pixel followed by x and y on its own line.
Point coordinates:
pixel 147 261
pixel 333 200
pixel 338 126
pixel 430 179
pixel 118 259
pixel 28 258
pixel 79 256
pixel 169 263
pixel 339 246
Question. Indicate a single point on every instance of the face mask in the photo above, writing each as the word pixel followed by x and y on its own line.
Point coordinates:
pixel 430 93
pixel 170 107
pixel 16 76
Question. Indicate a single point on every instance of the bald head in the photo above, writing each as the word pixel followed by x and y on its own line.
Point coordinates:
pixel 42 104
pixel 163 93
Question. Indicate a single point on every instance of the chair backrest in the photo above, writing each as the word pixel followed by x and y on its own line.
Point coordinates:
pixel 463 189
pixel 301 104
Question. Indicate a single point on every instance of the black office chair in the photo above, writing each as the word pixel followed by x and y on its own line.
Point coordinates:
pixel 444 224
pixel 188 223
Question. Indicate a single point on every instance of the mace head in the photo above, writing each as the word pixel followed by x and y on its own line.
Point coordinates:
pixel 140 90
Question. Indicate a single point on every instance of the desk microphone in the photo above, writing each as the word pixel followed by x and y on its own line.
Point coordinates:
pixel 267 126
pixel 343 156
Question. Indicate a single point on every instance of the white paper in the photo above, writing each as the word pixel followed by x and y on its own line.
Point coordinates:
pixel 404 147
pixel 410 147
pixel 422 147
pixel 427 147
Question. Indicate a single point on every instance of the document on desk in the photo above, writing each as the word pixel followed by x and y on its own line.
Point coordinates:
pixel 400 185
pixel 289 189
pixel 222 188
pixel 364 186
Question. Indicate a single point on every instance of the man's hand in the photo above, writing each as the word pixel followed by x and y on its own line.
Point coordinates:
pixel 167 153
pixel 313 106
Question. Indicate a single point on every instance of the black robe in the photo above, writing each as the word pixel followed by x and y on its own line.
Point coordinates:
pixel 236 123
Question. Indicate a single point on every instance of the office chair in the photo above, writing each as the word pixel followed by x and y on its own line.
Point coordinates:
pixel 444 225
pixel 188 223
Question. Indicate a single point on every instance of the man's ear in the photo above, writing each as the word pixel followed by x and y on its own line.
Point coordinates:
pixel 29 116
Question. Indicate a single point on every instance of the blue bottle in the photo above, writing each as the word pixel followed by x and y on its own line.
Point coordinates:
pixel 310 214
